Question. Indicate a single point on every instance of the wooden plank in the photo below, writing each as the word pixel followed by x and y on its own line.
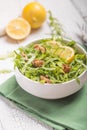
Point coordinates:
pixel 63 10
pixel 68 17
pixel 85 19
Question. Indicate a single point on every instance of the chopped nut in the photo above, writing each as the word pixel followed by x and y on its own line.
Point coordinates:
pixel 38 63
pixel 37 47
pixel 26 59
pixel 40 48
pixel 46 80
pixel 23 54
pixel 66 68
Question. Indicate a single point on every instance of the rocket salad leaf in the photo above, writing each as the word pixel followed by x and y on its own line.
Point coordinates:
pixel 47 67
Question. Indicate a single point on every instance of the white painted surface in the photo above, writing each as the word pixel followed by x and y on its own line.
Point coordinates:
pixel 81 6
pixel 86 19
pixel 14 118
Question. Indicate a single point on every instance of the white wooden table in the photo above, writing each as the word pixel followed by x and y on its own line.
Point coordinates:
pixel 69 12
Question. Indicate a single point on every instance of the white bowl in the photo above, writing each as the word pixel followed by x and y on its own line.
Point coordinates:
pixel 51 91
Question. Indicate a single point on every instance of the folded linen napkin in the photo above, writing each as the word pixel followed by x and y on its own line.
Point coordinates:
pixel 69 113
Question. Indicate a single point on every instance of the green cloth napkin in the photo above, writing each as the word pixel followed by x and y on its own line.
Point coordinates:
pixel 69 113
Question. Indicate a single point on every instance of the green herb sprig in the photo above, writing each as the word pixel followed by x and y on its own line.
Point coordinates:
pixel 55 26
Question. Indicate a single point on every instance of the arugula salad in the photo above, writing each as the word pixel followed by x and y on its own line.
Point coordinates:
pixel 50 61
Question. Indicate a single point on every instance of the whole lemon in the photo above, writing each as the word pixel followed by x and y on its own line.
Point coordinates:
pixel 35 14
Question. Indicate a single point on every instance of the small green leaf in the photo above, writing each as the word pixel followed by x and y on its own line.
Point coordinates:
pixel 78 81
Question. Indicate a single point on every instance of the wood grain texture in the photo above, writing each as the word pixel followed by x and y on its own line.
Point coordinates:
pixel 68 15
pixel 85 19
pixel 81 6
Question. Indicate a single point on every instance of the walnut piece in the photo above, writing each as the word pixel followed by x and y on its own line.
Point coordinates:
pixel 37 63
pixel 66 68
pixel 40 48
pixel 45 78
pixel 23 54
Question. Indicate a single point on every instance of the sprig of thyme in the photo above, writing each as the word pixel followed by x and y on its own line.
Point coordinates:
pixel 57 30
pixel 55 26
pixel 5 57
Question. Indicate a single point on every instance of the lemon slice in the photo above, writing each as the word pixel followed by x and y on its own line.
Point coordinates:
pixel 66 53
pixel 18 29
